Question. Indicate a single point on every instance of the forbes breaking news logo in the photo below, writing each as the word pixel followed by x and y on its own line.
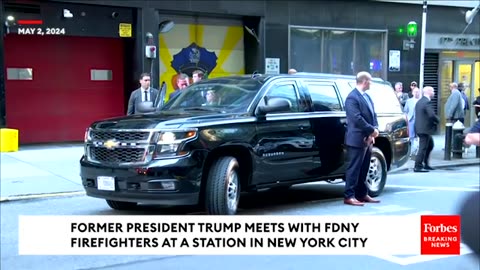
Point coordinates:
pixel 440 235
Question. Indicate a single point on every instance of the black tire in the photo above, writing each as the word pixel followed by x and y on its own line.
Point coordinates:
pixel 223 181
pixel 121 205
pixel 377 173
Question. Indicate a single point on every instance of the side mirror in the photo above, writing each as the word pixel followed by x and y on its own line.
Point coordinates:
pixel 274 105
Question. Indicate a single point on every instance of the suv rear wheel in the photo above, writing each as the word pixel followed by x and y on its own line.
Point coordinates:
pixel 222 193
pixel 121 205
pixel 377 173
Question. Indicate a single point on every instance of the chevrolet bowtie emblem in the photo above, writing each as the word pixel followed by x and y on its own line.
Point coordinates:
pixel 110 144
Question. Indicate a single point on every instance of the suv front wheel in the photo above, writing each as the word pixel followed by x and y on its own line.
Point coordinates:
pixel 222 193
pixel 377 173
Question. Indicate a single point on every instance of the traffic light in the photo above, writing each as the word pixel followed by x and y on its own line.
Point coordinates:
pixel 412 29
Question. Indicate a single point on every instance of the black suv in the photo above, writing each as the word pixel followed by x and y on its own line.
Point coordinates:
pixel 223 136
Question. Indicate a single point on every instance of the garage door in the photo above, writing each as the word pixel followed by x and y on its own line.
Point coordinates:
pixel 57 86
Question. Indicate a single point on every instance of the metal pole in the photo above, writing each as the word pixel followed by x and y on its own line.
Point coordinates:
pixel 448 141
pixel 422 44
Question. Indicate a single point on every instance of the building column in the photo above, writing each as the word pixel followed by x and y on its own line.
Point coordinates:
pixel 3 122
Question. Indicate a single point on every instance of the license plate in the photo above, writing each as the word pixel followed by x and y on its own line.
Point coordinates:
pixel 106 183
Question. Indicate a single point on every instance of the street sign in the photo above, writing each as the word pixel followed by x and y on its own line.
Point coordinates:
pixel 125 30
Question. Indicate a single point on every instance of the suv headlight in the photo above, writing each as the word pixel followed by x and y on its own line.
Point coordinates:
pixel 170 143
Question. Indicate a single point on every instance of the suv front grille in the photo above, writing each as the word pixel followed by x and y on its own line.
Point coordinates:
pixel 118 155
pixel 121 136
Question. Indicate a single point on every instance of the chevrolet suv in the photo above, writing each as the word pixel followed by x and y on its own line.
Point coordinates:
pixel 224 136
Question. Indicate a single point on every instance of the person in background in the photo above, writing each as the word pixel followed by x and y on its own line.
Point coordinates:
pixel 182 83
pixel 362 129
pixel 197 76
pixel 454 105
pixel 426 122
pixel 402 97
pixel 466 106
pixel 292 71
pixel 143 94
pixel 409 109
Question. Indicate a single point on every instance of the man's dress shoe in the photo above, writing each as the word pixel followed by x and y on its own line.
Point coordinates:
pixel 428 168
pixel 420 170
pixel 368 199
pixel 353 201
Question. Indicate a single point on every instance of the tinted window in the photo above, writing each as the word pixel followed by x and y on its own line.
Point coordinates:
pixel 285 91
pixel 383 97
pixel 218 94
pixel 324 97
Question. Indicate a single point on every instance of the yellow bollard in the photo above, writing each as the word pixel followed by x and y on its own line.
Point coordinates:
pixel 8 140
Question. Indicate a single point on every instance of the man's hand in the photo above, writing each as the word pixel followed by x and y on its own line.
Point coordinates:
pixel 375 133
pixel 369 140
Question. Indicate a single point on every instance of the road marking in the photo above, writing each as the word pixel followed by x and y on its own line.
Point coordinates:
pixel 464 250
pixel 434 188
pixel 414 191
pixel 41 196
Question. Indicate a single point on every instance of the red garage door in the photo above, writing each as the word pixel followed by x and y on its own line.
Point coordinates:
pixel 57 86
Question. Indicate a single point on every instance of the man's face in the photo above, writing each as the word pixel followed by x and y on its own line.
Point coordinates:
pixel 145 82
pixel 182 83
pixel 399 87
pixel 416 92
pixel 196 78
pixel 366 84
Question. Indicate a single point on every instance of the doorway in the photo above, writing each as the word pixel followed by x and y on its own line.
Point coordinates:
pixel 468 73
pixel 461 67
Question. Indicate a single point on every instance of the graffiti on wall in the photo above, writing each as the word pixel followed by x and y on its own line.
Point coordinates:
pixel 215 50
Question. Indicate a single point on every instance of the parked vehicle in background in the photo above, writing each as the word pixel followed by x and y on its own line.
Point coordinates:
pixel 224 136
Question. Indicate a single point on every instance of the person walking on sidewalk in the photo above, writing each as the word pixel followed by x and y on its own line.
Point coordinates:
pixel 362 130
pixel 455 105
pixel 409 109
pixel 426 122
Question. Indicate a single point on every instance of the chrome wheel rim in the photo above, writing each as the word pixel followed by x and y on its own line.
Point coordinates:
pixel 374 176
pixel 232 192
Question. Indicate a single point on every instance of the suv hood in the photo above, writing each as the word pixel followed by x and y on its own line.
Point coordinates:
pixel 167 120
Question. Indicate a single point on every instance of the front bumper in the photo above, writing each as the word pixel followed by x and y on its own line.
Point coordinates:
pixel 175 181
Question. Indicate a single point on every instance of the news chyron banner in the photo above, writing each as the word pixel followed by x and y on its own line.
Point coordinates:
pixel 239 235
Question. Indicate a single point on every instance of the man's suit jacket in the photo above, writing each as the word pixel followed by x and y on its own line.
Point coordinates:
pixel 136 97
pixel 361 120
pixel 454 106
pixel 426 120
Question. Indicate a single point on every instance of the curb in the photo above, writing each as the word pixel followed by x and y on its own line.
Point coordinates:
pixel 441 165
pixel 41 196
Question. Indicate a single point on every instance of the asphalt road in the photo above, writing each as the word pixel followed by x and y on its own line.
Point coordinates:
pixel 438 192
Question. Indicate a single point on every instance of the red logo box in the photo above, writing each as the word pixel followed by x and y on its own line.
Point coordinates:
pixel 440 235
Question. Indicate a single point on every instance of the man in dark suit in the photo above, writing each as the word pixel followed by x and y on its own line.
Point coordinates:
pixel 426 122
pixel 361 133
pixel 142 95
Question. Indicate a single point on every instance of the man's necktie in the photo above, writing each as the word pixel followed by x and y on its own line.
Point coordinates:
pixel 369 102
pixel 146 95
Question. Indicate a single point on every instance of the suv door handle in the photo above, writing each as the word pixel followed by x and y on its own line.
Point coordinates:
pixel 302 127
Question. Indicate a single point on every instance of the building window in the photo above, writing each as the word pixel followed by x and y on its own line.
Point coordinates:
pixel 100 75
pixel 19 74
pixel 339 51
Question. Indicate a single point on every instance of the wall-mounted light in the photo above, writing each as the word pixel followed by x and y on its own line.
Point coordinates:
pixel 165 26
pixel 67 13
pixel 469 15
pixel 10 18
pixel 114 15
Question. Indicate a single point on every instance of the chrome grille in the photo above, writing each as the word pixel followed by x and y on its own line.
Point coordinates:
pixel 117 155
pixel 120 135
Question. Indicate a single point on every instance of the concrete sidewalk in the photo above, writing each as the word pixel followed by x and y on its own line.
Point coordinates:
pixel 53 170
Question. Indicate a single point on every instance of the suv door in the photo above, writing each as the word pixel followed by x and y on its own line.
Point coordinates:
pixel 328 121
pixel 284 139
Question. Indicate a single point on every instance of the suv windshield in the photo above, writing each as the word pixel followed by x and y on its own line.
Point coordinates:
pixel 227 94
